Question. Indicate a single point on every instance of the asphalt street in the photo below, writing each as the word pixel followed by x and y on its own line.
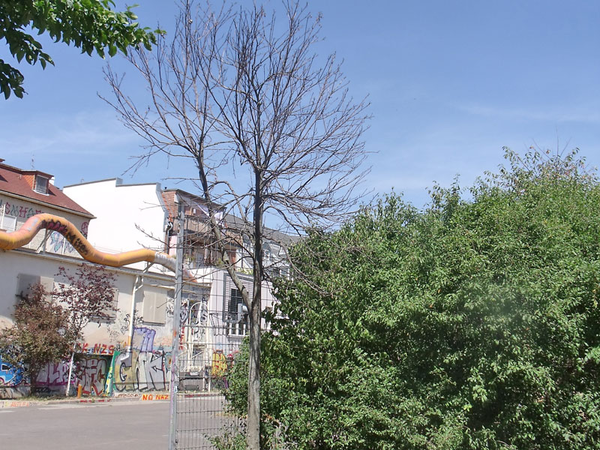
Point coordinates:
pixel 134 425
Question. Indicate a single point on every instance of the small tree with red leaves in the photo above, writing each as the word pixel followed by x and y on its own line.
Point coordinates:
pixel 88 295
pixel 40 335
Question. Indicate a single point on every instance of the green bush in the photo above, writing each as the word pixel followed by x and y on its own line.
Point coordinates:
pixel 473 324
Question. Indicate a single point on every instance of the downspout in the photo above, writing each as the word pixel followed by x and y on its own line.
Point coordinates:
pixel 139 282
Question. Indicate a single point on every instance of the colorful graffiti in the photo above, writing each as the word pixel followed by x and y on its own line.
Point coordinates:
pixel 9 375
pixel 142 368
pixel 100 368
pixel 58 244
pixel 219 364
pixel 92 374
pixel 54 376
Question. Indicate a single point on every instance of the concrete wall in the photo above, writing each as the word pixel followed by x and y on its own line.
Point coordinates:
pixel 144 367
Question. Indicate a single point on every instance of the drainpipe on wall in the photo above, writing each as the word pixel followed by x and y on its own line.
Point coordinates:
pixel 139 282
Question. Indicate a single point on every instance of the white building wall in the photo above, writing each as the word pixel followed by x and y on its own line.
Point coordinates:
pixel 18 265
pixel 143 366
pixel 128 216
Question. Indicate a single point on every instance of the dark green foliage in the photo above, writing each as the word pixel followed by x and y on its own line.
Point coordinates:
pixel 473 324
pixel 90 25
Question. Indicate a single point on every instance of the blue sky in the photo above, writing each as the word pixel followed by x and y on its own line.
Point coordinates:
pixel 450 84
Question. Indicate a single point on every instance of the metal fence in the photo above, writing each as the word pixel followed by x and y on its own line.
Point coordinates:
pixel 204 419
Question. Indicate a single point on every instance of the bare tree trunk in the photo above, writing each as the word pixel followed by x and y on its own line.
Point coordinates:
pixel 33 375
pixel 253 429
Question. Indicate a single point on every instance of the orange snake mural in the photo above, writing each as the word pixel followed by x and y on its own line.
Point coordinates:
pixel 24 235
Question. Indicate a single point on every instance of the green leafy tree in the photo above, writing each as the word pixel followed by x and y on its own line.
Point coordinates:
pixel 473 324
pixel 90 25
pixel 40 334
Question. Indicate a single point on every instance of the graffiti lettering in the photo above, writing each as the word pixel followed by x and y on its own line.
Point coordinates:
pixel 54 225
pixel 59 227
pixel 97 349
pixel 93 375
pixel 84 228
pixel 22 212
pixel 58 242
pixel 155 397
pixel 54 375
pixel 142 371
pixel 142 368
pixel 143 339
pixel 77 243
pixel 14 404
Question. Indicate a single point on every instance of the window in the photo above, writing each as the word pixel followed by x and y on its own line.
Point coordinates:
pixel 26 281
pixel 41 185
pixel 237 314
pixel 8 223
pixel 155 306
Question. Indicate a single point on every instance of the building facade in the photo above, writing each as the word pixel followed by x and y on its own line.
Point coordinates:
pixel 132 350
pixel 25 193
pixel 214 319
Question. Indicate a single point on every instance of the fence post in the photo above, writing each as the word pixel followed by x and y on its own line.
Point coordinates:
pixel 176 327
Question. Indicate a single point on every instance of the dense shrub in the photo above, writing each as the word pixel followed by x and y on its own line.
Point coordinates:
pixel 473 324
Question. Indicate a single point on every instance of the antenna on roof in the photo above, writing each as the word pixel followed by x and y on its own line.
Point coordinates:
pixel 32 162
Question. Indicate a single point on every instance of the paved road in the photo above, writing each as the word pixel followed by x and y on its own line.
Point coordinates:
pixel 131 425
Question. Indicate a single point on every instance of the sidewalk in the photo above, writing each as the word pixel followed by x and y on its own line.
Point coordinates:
pixel 118 397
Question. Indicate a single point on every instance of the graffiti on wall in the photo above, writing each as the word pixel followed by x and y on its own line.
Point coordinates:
pixel 97 348
pixel 10 375
pixel 92 374
pixel 75 242
pixel 58 244
pixel 54 376
pixel 89 371
pixel 142 368
pixel 20 211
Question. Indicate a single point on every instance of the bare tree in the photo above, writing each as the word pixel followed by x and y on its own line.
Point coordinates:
pixel 267 122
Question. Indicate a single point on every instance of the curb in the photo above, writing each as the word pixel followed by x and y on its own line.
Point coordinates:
pixel 133 397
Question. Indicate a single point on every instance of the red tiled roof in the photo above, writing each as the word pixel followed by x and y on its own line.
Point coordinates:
pixel 20 182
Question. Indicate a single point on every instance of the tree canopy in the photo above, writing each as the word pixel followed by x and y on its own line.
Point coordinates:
pixel 472 324
pixel 87 24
